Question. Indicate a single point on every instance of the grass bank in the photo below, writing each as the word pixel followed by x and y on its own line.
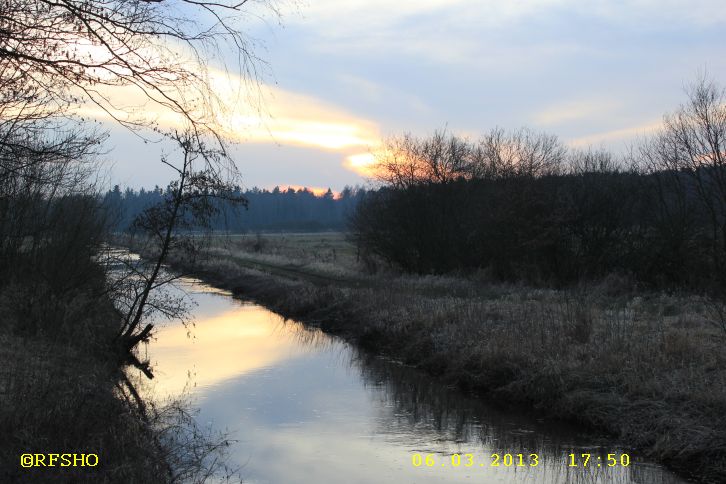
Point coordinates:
pixel 64 390
pixel 649 368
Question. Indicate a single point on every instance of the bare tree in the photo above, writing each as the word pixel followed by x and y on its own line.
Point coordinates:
pixel 689 154
pixel 407 160
pixel 66 52
pixel 520 153
pixel 592 160
pixel 37 170
pixel 59 55
pixel 189 204
pixel 56 56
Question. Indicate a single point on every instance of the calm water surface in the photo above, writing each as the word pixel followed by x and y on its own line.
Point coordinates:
pixel 305 407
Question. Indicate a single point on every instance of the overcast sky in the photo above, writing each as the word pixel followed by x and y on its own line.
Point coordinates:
pixel 344 73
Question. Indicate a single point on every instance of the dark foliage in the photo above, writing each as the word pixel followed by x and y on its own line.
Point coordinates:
pixel 554 229
pixel 275 210
pixel 660 220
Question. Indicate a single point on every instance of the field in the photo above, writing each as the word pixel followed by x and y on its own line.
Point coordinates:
pixel 324 251
pixel 647 367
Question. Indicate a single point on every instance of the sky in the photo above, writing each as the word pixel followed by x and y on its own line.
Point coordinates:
pixel 341 75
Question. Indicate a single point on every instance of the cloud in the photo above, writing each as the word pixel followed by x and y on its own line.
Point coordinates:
pixel 648 14
pixel 332 18
pixel 361 163
pixel 616 136
pixel 473 31
pixel 586 110
pixel 337 19
pixel 443 31
pixel 362 68
pixel 255 114
pixel 379 94
pixel 295 118
pixel 287 117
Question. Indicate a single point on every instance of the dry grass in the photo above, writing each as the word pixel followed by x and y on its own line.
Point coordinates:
pixel 326 252
pixel 647 367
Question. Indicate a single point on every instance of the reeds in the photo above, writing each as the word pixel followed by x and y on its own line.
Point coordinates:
pixel 649 368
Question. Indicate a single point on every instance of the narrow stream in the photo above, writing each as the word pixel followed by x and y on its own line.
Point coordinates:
pixel 305 407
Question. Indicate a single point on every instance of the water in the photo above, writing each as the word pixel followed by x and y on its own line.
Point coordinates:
pixel 306 407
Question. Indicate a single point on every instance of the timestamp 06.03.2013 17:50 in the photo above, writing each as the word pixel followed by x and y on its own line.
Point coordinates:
pixel 516 460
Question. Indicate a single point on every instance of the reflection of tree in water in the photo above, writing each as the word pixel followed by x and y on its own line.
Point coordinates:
pixel 306 336
pixel 187 451
pixel 419 411
pixel 423 404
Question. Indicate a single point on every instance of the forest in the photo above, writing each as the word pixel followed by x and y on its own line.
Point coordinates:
pixel 283 210
pixel 525 207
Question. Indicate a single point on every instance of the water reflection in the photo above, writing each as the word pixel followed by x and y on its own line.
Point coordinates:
pixel 306 408
pixel 219 348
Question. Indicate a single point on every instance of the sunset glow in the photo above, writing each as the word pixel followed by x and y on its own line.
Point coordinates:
pixel 288 118
pixel 341 79
pixel 361 163
pixel 317 191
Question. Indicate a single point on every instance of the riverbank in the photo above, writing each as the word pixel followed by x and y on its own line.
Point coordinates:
pixel 65 396
pixel 648 368
pixel 59 393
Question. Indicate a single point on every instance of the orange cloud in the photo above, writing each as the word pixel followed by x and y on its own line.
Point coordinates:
pixel 262 114
pixel 361 163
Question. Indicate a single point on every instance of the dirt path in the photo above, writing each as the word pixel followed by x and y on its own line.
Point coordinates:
pixel 301 272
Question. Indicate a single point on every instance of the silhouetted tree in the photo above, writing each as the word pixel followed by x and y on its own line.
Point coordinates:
pixel 690 155
pixel 58 56
pixel 187 203
pixel 521 206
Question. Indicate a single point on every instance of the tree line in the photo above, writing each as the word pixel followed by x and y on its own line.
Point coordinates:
pixel 267 210
pixel 525 207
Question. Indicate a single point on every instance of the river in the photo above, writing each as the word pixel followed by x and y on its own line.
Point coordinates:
pixel 306 407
